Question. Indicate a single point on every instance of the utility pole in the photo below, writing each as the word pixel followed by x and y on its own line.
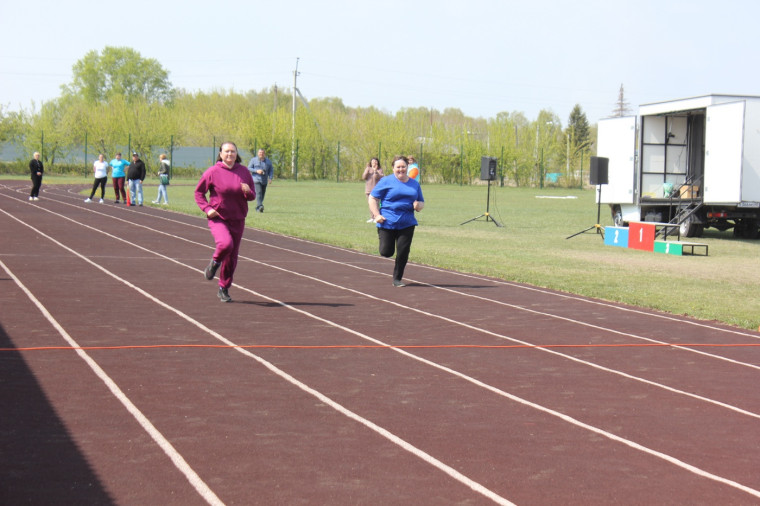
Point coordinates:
pixel 274 112
pixel 293 128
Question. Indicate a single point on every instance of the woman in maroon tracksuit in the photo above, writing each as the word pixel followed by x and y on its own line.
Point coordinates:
pixel 230 188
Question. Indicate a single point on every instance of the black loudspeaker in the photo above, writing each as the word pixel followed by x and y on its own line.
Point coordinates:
pixel 487 168
pixel 599 170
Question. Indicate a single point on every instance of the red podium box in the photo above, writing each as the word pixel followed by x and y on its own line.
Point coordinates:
pixel 641 236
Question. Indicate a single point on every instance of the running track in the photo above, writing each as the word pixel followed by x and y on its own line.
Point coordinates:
pixel 123 379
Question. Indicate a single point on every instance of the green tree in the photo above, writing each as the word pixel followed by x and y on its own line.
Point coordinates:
pixel 577 126
pixel 11 124
pixel 48 131
pixel 119 71
pixel 577 139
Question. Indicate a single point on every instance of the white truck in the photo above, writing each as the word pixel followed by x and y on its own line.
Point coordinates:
pixel 694 162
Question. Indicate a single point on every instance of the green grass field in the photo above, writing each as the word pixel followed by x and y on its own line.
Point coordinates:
pixel 531 248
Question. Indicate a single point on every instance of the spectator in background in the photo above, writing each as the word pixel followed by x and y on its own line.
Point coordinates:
pixel 136 176
pixel 118 175
pixel 414 169
pixel 100 170
pixel 262 171
pixel 372 174
pixel 230 188
pixel 36 170
pixel 163 179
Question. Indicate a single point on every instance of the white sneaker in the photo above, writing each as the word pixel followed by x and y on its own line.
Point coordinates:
pixel 36 198
pixel 88 200
pixel 31 198
pixel 154 202
pixel 100 201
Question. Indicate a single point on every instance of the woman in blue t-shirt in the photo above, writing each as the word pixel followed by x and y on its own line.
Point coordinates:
pixel 392 204
pixel 117 176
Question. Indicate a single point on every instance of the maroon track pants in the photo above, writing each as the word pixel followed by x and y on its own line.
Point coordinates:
pixel 227 236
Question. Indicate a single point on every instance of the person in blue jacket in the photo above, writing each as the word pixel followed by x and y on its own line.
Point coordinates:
pixel 392 203
pixel 262 171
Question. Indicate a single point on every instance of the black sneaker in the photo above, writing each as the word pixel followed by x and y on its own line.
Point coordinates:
pixel 210 271
pixel 223 295
pixel 398 283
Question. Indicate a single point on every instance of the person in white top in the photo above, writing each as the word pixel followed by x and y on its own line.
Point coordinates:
pixel 100 168
pixel 163 179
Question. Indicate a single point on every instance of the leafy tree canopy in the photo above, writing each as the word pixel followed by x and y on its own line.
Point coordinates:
pixel 119 71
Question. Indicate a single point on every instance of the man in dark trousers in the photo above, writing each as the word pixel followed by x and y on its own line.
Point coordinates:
pixel 136 176
pixel 262 171
pixel 36 170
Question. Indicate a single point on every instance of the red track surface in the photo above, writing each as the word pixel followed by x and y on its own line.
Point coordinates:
pixel 343 389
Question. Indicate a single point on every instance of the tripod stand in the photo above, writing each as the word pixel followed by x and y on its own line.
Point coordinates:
pixel 597 226
pixel 486 214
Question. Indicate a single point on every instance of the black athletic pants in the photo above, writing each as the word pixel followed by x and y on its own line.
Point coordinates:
pixel 36 183
pixel 99 181
pixel 399 241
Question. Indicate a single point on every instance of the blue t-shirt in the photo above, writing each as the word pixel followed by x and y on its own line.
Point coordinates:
pixel 397 201
pixel 118 167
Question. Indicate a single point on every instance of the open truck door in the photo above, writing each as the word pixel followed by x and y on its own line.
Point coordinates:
pixel 724 147
pixel 616 140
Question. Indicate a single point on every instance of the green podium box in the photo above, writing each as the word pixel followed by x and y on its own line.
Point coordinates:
pixel 668 247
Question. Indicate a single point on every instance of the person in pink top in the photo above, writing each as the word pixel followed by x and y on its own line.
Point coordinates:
pixel 230 188
pixel 373 173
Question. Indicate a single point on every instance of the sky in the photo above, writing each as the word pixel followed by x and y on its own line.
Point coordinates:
pixel 482 57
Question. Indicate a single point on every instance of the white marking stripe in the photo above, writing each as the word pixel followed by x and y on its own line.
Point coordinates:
pixel 154 433
pixel 549 411
pixel 194 479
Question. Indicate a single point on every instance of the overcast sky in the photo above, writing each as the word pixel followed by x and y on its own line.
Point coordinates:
pixel 480 56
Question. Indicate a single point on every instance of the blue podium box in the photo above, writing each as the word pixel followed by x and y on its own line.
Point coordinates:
pixel 616 236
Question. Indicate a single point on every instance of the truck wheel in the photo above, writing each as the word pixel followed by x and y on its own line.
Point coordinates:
pixel 747 229
pixel 688 227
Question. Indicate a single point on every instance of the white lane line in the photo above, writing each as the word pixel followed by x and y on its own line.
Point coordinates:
pixel 179 462
pixel 543 291
pixel 511 306
pixel 479 278
pixel 616 372
pixel 166 446
pixel 525 402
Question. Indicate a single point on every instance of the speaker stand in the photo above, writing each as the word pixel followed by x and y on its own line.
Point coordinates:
pixel 599 229
pixel 487 214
